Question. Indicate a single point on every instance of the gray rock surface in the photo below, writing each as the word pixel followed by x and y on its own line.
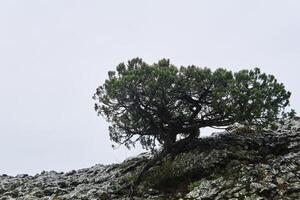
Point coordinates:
pixel 231 165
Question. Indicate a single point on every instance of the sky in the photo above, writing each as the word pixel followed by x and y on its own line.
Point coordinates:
pixel 55 53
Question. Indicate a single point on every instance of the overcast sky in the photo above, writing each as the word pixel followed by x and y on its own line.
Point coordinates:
pixel 53 55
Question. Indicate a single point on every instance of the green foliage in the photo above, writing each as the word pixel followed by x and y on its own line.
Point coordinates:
pixel 156 103
pixel 115 187
pixel 194 184
pixel 164 176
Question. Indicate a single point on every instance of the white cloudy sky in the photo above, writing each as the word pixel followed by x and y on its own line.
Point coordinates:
pixel 53 54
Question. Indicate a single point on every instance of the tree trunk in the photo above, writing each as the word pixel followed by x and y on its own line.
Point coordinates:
pixel 195 133
pixel 141 174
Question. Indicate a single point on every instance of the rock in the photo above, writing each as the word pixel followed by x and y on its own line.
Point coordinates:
pixel 229 165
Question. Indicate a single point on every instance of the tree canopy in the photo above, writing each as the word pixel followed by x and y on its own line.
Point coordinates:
pixel 150 103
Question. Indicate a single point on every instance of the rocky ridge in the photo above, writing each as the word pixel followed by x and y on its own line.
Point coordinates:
pixel 238 164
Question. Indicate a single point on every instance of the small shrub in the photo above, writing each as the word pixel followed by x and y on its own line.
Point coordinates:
pixel 164 177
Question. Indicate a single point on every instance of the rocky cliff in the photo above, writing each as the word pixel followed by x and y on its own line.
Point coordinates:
pixel 239 164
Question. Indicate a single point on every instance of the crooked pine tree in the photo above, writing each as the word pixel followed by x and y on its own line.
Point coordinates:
pixel 155 104
pixel 163 104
